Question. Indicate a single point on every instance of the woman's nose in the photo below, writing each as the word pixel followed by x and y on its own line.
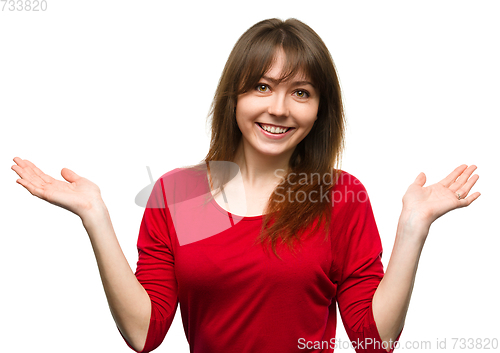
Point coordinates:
pixel 278 105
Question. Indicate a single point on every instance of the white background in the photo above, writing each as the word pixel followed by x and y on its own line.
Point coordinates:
pixel 108 88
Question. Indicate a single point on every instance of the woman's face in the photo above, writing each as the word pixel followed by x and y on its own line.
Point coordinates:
pixel 291 105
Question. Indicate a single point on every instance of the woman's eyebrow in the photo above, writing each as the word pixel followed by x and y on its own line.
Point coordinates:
pixel 295 83
pixel 299 83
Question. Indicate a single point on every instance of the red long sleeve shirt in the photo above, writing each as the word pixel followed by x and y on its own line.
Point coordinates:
pixel 235 296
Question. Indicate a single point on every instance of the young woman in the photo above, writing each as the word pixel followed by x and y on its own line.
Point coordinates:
pixel 270 181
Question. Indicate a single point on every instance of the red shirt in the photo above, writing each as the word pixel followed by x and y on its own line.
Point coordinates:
pixel 235 296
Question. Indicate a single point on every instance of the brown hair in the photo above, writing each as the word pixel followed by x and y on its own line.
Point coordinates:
pixel 319 153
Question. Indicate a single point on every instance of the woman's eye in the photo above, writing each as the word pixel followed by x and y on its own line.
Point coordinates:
pixel 262 88
pixel 302 94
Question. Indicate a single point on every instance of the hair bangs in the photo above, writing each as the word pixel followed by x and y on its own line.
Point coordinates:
pixel 262 55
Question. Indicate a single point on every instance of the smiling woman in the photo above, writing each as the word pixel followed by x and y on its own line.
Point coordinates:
pixel 281 74
pixel 277 129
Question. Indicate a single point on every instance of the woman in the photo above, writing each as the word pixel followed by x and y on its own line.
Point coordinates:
pixel 203 241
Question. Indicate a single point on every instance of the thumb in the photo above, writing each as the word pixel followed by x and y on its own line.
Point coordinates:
pixel 69 175
pixel 420 180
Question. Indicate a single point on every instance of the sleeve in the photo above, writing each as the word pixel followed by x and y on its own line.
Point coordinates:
pixel 361 273
pixel 155 267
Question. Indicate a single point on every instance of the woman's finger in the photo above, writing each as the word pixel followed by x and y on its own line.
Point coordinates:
pixel 464 190
pixel 28 167
pixel 453 175
pixel 22 172
pixel 46 178
pixel 463 178
pixel 468 200
pixel 30 187
pixel 19 162
pixel 28 174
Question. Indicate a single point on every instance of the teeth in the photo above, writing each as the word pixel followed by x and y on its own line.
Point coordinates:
pixel 274 130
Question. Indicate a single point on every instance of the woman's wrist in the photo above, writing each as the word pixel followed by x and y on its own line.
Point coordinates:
pixel 412 226
pixel 96 213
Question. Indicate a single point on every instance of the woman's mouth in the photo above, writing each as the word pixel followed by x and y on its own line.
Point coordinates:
pixel 274 132
pixel 272 129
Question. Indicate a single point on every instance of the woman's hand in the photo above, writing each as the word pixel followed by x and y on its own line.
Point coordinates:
pixel 423 205
pixel 78 195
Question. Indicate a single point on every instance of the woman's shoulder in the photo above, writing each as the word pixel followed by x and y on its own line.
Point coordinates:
pixel 183 183
pixel 347 180
pixel 348 190
pixel 185 174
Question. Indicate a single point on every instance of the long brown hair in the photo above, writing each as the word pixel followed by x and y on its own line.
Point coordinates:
pixel 319 153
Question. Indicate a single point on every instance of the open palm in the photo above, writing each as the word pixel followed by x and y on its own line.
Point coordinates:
pixel 431 202
pixel 77 195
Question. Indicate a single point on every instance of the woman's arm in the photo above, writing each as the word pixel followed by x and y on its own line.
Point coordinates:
pixel 392 297
pixel 128 301
pixel 421 207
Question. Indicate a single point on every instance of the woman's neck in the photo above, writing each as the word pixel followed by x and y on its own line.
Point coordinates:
pixel 258 170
